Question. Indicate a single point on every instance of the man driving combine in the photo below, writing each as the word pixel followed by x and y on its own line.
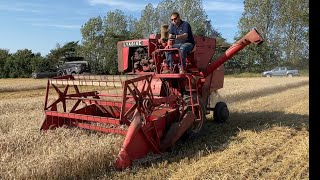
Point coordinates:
pixel 180 31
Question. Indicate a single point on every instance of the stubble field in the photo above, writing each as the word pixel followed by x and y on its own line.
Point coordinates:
pixel 266 137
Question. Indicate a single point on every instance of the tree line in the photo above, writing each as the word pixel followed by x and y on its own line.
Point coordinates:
pixel 284 25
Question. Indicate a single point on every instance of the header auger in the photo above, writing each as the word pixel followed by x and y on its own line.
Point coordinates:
pixel 151 109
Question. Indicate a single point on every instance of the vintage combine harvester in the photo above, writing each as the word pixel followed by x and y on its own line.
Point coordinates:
pixel 151 109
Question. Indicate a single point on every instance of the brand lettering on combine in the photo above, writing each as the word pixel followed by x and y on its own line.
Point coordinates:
pixel 132 44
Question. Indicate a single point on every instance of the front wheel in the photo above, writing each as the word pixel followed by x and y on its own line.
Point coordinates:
pixel 221 112
pixel 199 121
pixel 200 118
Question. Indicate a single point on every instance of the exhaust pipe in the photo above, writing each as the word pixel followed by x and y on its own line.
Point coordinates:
pixel 251 37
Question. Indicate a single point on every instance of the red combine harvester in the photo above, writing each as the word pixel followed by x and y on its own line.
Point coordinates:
pixel 151 109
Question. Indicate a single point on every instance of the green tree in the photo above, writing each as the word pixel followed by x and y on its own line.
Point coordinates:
pixel 293 25
pixel 133 28
pixel 147 23
pixel 100 38
pixel 192 11
pixel 261 15
pixel 40 64
pixel 19 64
pixel 4 56
pixel 116 29
pixel 162 13
pixel 67 52
pixel 284 27
pixel 92 42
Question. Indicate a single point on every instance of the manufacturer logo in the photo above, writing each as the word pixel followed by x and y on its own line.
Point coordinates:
pixel 132 44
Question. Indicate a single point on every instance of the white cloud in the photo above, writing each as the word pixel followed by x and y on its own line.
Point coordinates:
pixel 43 22
pixel 18 9
pixel 60 26
pixel 33 19
pixel 22 7
pixel 120 4
pixel 222 6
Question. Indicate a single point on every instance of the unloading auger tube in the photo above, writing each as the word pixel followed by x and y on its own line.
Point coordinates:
pixel 251 37
pixel 147 108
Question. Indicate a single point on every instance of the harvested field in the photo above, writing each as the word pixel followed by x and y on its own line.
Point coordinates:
pixel 266 137
pixel 21 84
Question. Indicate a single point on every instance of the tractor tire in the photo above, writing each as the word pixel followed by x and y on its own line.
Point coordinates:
pixel 34 75
pixel 221 112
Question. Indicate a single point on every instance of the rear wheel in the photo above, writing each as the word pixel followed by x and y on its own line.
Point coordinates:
pixel 34 75
pixel 289 75
pixel 221 112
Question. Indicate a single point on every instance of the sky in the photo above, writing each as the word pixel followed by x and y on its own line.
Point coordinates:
pixel 39 25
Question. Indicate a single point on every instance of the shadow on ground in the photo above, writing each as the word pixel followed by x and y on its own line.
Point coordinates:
pixel 263 92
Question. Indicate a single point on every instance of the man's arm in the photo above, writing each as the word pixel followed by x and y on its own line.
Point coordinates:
pixel 180 36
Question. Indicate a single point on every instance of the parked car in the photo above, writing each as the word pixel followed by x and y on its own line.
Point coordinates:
pixel 74 67
pixel 281 71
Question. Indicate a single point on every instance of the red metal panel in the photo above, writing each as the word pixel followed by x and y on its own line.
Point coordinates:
pixel 125 57
pixel 176 130
pixel 216 79
pixel 171 76
pixel 83 117
pixel 102 129
pixel 108 103
pixel 205 50
pixel 52 122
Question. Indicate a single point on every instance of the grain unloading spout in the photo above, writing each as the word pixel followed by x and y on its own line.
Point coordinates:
pixel 252 36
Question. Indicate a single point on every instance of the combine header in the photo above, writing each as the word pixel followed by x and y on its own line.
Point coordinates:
pixel 151 109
